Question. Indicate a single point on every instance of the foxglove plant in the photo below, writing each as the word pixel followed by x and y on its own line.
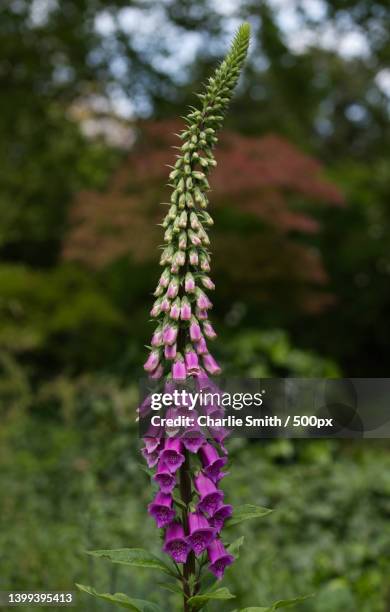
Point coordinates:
pixel 179 345
pixel 189 505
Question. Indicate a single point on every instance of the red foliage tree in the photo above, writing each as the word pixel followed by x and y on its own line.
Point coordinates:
pixel 264 194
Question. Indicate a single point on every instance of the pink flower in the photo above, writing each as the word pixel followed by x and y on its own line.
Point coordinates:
pixel 185 312
pixel 173 288
pixel 195 332
pixel 152 361
pixel 210 364
pixel 189 283
pixel 209 331
pixel 179 369
pixel 192 361
pixel 170 351
pixel 175 310
pixel 170 334
pixel 202 301
pixel 201 346
pixel 194 259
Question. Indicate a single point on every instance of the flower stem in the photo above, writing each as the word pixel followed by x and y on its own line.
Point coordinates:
pixel 189 567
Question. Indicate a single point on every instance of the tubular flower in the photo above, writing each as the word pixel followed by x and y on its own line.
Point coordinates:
pixel 210 496
pixel 219 517
pixel 212 462
pixel 164 478
pixel 175 543
pixel 172 454
pixel 186 467
pixel 201 533
pixel 161 509
pixel 219 558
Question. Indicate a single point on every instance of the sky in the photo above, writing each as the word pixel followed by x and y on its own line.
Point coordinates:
pixel 149 24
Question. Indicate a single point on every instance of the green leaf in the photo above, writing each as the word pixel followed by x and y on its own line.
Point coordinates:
pixel 282 603
pixel 132 556
pixel 198 601
pixel 234 547
pixel 246 512
pixel 170 587
pixel 120 599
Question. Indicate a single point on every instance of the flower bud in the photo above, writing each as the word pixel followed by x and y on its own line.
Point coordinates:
pixel 157 337
pixel 174 313
pixel 183 240
pixel 196 241
pixel 185 311
pixel 194 259
pixel 152 361
pixel 209 331
pixel 166 255
pixel 183 220
pixel 170 332
pixel 173 287
pixel 207 282
pixel 179 369
pixel 189 282
pixel 202 301
pixel 204 262
pixel 195 331
pixel 170 351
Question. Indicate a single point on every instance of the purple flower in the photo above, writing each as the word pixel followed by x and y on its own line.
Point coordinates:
pixel 152 361
pixel 209 331
pixel 173 288
pixel 201 534
pixel 152 438
pixel 165 480
pixel 170 351
pixel 185 312
pixel 145 407
pixel 158 372
pixel 189 283
pixel 175 543
pixel 219 517
pixel 219 558
pixel 192 360
pixel 161 509
pixel 210 364
pixel 202 301
pixel 178 368
pixel 210 496
pixel 170 334
pixel 195 332
pixel 212 463
pixel 201 346
pixel 194 259
pixel 193 438
pixel 150 458
pixel 172 454
pixel 175 310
